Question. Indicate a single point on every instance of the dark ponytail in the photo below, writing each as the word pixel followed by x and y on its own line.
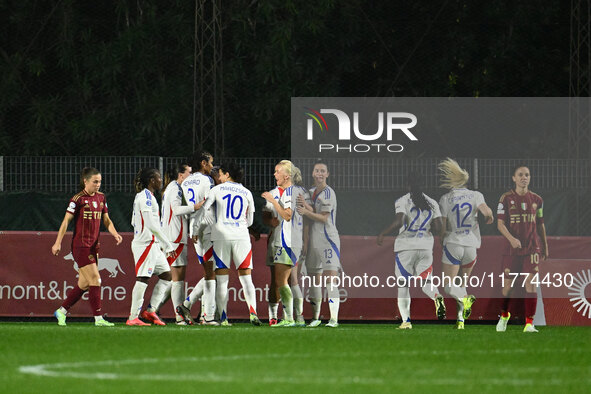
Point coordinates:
pixel 173 172
pixel 86 174
pixel 143 178
pixel 415 182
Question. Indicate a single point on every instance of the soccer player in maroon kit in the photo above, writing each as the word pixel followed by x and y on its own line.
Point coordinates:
pixel 521 220
pixel 87 208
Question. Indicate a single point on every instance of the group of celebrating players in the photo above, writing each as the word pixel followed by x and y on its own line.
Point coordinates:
pixel 212 207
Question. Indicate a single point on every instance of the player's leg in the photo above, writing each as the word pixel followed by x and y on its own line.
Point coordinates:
pixel 331 267
pixel 73 296
pixel 402 282
pixel 283 267
pixel 424 269
pixel 208 301
pixel 178 269
pixel 162 270
pixel 314 269
pixel 242 257
pixel 273 294
pixel 510 265
pixel 452 282
pixel 530 265
pixel 468 262
pixel 298 298
pixel 222 254
pixel 91 274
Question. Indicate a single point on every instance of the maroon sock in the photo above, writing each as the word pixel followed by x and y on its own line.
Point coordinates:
pixel 94 295
pixel 530 307
pixel 73 297
pixel 505 307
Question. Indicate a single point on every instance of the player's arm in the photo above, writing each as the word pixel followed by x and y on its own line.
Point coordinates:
pixel 111 228
pixel 250 210
pixel 57 246
pixel 515 243
pixel 153 225
pixel 393 228
pixel 284 213
pixel 321 217
pixel 541 229
pixel 487 213
pixel 438 227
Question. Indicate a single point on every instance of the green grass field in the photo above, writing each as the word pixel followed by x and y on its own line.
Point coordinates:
pixel 434 358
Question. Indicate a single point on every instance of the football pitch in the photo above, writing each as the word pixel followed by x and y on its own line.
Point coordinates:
pixel 434 358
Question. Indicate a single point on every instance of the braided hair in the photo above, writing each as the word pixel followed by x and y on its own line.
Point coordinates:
pixel 415 182
pixel 143 178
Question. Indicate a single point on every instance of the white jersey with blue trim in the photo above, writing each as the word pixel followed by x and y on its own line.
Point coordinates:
pixel 233 207
pixel 460 207
pixel 284 227
pixel 275 235
pixel 196 188
pixel 174 217
pixel 146 221
pixel 416 232
pixel 324 235
pixel 297 220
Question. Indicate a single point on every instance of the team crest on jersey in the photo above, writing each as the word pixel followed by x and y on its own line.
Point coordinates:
pixel 85 201
pixel 523 206
pixel 150 271
pixel 102 205
pixel 94 204
pixel 86 206
pixel 534 206
pixel 90 257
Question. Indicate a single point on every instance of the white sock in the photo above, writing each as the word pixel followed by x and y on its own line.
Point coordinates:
pixel 315 301
pixel 298 302
pixel 429 289
pixel 158 294
pixel 63 310
pixel 249 292
pixel 137 299
pixel 221 295
pixel 273 306
pixel 164 301
pixel 208 302
pixel 460 305
pixel 196 294
pixel 287 301
pixel 334 300
pixel 404 303
pixel 457 292
pixel 177 293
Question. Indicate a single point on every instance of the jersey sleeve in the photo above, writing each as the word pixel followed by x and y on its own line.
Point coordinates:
pixel 540 211
pixel 479 199
pixel 436 210
pixel 72 207
pixel 443 206
pixel 286 198
pixel 105 207
pixel 146 201
pixel 399 206
pixel 502 208
pixel 250 210
pixel 327 201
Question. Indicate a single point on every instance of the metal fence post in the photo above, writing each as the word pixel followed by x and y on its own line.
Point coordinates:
pixel 161 166
pixel 475 174
pixel 1 173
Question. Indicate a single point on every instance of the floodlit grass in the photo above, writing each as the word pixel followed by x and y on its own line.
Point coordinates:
pixel 42 357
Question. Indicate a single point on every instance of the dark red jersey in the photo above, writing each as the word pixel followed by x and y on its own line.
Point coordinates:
pixel 521 214
pixel 88 213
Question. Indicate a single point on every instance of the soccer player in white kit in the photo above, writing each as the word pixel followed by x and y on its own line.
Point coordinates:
pixel 459 211
pixel 196 188
pixel 417 219
pixel 175 224
pixel 148 239
pixel 230 208
pixel 324 256
pixel 271 219
pixel 287 247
